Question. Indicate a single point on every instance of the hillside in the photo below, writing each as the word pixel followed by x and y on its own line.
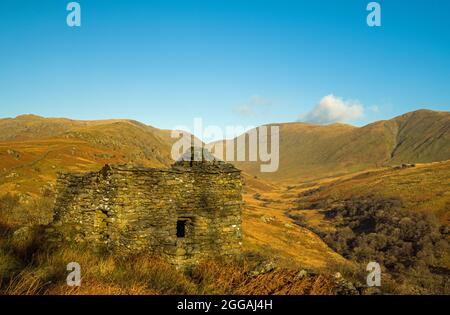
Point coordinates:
pixel 286 215
pixel 316 151
pixel 33 148
pixel 268 230
pixel 421 188
pixel 397 216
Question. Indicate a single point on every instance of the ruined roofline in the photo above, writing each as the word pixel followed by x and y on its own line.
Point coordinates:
pixel 179 167
pixel 198 154
pixel 194 160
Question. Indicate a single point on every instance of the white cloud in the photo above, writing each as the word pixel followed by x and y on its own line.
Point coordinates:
pixel 253 105
pixel 374 109
pixel 333 109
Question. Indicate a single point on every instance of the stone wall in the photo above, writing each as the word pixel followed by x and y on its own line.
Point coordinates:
pixel 133 209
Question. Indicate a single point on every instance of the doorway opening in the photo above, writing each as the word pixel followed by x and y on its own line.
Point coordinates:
pixel 181 228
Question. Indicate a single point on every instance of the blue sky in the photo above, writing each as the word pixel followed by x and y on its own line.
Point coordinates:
pixel 230 62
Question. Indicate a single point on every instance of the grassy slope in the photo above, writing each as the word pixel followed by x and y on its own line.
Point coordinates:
pixel 423 188
pixel 268 230
pixel 311 151
pixel 33 149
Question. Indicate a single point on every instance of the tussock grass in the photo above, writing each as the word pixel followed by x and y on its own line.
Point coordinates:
pixel 30 264
pixel 33 266
pixel 144 274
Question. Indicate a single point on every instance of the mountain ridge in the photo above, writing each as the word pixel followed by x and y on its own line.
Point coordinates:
pixel 307 151
pixel 311 151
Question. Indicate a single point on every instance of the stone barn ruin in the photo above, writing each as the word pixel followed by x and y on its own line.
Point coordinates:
pixel 185 213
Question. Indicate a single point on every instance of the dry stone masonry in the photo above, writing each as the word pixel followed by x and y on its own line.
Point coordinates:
pixel 186 213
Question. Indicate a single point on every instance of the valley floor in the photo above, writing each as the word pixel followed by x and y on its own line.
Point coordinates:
pixel 273 232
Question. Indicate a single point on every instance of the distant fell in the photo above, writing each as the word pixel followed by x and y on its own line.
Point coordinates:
pixel 312 151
